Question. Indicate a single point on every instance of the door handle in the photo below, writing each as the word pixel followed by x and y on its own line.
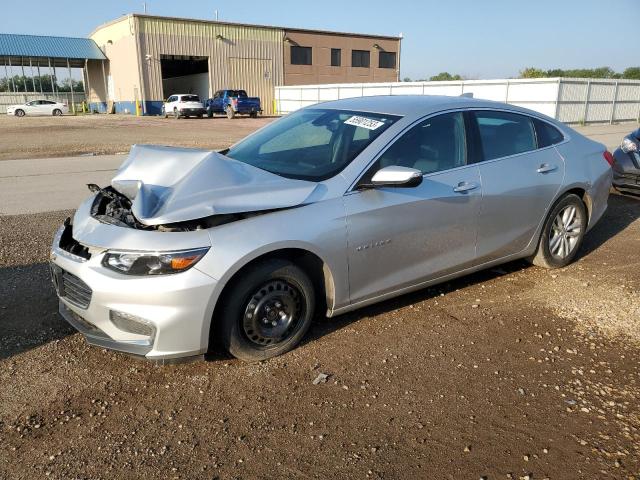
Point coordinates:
pixel 546 168
pixel 464 187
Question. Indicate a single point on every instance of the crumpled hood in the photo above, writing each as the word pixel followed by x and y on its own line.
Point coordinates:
pixel 169 185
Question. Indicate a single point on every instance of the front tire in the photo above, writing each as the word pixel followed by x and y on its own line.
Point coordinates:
pixel 267 311
pixel 19 113
pixel 176 114
pixel 562 234
pixel 230 113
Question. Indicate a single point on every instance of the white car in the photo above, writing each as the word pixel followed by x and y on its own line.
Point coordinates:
pixel 183 105
pixel 38 107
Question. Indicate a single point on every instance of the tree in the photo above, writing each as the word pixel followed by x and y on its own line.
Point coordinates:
pixel 445 76
pixel 632 72
pixel 406 79
pixel 21 83
pixel 532 72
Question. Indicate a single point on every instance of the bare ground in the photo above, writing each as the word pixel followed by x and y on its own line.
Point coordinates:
pixel 40 137
pixel 513 371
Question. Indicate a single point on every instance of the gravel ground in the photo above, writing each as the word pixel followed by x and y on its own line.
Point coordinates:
pixel 106 134
pixel 516 372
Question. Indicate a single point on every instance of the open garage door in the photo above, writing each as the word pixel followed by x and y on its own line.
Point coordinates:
pixel 255 75
pixel 185 74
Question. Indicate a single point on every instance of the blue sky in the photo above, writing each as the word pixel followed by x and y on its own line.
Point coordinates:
pixel 475 38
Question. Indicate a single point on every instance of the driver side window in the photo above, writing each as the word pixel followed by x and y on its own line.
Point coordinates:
pixel 434 145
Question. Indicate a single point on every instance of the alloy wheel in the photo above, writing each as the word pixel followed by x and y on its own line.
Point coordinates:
pixel 565 232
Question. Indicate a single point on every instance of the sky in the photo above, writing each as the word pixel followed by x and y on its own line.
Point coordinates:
pixel 474 38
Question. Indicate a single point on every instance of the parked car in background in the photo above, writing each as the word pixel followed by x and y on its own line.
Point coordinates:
pixel 331 208
pixel 38 107
pixel 183 105
pixel 233 102
pixel 626 169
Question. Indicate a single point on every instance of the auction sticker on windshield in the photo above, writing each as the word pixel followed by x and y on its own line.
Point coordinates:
pixel 364 122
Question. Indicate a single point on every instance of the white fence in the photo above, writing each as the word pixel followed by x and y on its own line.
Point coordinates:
pixel 570 100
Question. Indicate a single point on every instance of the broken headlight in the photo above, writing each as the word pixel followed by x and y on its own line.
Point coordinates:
pixel 156 263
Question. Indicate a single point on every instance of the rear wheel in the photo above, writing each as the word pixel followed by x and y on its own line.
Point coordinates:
pixel 253 115
pixel 209 114
pixel 19 113
pixel 562 233
pixel 57 112
pixel 267 311
pixel 230 113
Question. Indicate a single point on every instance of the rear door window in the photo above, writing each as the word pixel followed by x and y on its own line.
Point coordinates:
pixel 547 134
pixel 503 133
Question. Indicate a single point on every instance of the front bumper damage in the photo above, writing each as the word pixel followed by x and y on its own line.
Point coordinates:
pixel 176 308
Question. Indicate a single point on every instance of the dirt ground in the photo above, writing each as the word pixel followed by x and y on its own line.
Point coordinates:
pixel 515 372
pixel 39 137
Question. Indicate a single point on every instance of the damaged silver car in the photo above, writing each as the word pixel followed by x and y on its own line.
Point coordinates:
pixel 331 208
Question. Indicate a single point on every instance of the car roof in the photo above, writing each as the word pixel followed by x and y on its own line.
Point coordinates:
pixel 413 105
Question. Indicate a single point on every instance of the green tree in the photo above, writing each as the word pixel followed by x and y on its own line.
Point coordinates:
pixel 632 72
pixel 445 76
pixel 532 72
pixel 406 79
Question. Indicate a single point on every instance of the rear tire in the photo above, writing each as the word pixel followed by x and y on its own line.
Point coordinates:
pixel 57 112
pixel 230 113
pixel 253 115
pixel 562 233
pixel 267 311
pixel 209 114
pixel 19 113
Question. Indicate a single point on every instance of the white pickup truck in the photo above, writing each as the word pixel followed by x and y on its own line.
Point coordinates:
pixel 183 105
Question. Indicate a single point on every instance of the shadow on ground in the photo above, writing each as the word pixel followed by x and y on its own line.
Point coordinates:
pixel 28 310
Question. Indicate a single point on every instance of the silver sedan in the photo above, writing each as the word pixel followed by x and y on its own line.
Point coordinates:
pixel 333 207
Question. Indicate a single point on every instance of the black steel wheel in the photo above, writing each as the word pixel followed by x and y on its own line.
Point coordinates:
pixel 267 311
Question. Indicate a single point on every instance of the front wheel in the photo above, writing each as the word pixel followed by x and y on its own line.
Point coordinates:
pixel 176 114
pixel 267 311
pixel 230 113
pixel 562 233
pixel 19 113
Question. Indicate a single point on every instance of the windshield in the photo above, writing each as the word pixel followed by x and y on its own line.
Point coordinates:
pixel 311 144
pixel 190 98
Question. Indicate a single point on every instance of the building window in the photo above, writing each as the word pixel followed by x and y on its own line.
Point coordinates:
pixel 360 58
pixel 300 55
pixel 336 55
pixel 387 60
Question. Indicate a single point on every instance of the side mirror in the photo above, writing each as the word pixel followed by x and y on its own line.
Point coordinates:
pixel 397 176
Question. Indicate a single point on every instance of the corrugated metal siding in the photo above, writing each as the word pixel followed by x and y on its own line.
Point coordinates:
pixel 234 61
pixel 52 47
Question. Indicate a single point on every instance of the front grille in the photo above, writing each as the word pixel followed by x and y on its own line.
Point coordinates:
pixel 74 290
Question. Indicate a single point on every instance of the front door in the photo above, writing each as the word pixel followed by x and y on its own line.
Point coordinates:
pixel 399 237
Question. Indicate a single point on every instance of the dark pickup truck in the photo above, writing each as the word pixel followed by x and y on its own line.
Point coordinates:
pixel 233 102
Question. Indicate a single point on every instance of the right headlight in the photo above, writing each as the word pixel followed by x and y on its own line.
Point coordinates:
pixel 628 145
pixel 153 263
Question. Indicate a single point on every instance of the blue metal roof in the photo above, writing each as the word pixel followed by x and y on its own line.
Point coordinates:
pixel 13 45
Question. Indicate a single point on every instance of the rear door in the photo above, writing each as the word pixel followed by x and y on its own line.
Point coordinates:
pixel 519 182
pixel 400 237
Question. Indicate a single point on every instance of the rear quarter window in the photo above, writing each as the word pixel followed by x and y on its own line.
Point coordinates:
pixel 547 134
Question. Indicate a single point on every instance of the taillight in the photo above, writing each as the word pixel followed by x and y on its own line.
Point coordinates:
pixel 609 158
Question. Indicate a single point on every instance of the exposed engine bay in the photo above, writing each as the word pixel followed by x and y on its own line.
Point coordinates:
pixel 112 207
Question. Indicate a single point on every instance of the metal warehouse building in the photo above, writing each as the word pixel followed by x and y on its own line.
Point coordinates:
pixel 150 58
